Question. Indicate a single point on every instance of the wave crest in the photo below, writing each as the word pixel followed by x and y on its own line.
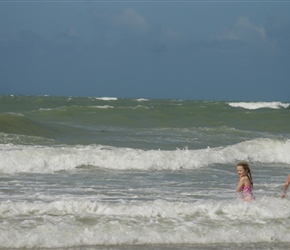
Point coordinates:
pixel 48 159
pixel 259 105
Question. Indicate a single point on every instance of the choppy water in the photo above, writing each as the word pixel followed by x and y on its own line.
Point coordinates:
pixel 109 173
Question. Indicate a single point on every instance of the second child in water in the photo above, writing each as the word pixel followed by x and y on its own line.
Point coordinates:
pixel 245 184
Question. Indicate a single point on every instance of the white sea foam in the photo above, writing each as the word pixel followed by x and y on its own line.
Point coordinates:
pixel 259 105
pixel 142 100
pixel 110 107
pixel 82 222
pixel 107 98
pixel 47 159
pixel 15 114
pixel 103 107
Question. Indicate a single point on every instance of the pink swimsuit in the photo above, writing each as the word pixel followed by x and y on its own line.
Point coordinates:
pixel 247 193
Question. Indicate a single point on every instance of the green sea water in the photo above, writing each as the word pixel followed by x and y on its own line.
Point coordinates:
pixel 139 123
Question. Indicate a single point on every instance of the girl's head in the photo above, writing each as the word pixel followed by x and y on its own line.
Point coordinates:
pixel 243 169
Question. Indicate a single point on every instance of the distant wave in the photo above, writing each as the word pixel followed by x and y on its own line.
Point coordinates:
pixel 103 107
pixel 19 124
pixel 259 105
pixel 142 100
pixel 120 107
pixel 107 98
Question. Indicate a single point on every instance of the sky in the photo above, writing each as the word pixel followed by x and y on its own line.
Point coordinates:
pixel 195 50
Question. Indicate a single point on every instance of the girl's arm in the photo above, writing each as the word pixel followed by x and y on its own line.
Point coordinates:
pixel 285 187
pixel 241 184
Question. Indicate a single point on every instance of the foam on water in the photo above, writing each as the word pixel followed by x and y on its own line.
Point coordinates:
pixel 107 98
pixel 131 223
pixel 142 100
pixel 103 107
pixel 45 159
pixel 259 105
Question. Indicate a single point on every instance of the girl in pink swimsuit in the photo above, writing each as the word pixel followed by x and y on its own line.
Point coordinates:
pixel 245 184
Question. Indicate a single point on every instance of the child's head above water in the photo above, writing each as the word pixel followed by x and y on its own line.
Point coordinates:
pixel 245 166
pixel 243 169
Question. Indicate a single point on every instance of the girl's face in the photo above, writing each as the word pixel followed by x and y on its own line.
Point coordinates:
pixel 241 171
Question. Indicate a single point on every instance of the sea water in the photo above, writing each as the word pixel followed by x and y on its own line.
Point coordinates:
pixel 117 173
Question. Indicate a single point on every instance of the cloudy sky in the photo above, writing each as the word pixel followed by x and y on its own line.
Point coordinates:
pixel 200 50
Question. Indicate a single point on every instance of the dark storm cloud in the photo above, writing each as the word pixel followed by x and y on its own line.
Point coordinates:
pixel 278 31
pixel 123 52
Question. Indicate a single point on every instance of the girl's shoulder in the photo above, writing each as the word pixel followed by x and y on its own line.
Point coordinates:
pixel 245 180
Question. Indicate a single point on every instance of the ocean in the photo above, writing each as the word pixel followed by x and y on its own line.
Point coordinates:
pixel 119 173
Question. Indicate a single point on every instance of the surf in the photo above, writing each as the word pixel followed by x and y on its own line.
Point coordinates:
pixel 144 223
pixel 46 159
pixel 259 105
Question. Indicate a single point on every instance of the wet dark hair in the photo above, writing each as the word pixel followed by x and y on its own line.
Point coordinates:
pixel 246 167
